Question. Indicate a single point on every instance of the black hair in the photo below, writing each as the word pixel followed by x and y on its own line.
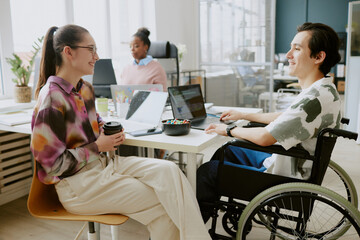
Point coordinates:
pixel 54 42
pixel 143 33
pixel 323 38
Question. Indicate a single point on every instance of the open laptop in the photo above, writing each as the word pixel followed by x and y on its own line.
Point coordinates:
pixel 187 102
pixel 103 77
pixel 145 110
pixel 124 93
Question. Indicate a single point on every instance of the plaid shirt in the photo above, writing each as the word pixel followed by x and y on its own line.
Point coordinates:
pixel 64 126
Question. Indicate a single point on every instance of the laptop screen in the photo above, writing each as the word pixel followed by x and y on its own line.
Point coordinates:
pixel 147 107
pixel 187 102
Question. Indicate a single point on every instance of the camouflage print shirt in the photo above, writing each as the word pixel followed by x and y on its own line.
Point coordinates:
pixel 315 108
pixel 65 126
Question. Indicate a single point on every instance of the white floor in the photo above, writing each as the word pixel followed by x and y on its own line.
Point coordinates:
pixel 17 224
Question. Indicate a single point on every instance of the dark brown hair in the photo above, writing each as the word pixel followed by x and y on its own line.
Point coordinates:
pixel 323 38
pixel 55 41
pixel 143 34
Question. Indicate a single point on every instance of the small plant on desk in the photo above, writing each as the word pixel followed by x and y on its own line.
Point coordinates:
pixel 22 73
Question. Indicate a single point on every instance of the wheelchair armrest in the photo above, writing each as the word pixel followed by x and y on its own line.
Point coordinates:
pixel 297 151
pixel 258 124
pixel 254 124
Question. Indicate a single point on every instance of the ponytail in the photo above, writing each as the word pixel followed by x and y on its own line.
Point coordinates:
pixel 48 60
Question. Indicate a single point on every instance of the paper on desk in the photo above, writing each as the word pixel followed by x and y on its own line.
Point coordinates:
pixel 9 105
pixel 16 118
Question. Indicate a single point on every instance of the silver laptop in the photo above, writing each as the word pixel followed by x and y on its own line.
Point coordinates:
pixel 124 93
pixel 145 110
pixel 187 102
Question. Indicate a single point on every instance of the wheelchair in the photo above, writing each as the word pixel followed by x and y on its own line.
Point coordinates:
pixel 260 205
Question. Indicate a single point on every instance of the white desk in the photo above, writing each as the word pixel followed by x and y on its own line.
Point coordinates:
pixel 195 142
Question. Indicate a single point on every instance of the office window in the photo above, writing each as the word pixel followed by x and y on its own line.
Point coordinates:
pixel 111 23
pixel 30 22
pixel 228 27
pixel 237 49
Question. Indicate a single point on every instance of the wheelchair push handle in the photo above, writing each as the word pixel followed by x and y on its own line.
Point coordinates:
pixel 339 133
pixel 345 121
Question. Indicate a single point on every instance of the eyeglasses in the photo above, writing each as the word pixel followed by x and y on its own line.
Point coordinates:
pixel 92 49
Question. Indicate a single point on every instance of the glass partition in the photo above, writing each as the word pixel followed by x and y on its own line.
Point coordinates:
pixel 237 48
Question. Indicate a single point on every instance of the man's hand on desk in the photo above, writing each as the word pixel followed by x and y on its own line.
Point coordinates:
pixel 231 115
pixel 217 128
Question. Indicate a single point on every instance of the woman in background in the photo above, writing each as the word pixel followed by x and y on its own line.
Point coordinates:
pixel 67 142
pixel 144 69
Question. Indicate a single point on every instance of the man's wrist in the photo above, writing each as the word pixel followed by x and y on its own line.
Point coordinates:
pixel 228 130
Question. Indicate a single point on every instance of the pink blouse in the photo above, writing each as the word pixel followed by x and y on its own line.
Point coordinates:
pixel 152 73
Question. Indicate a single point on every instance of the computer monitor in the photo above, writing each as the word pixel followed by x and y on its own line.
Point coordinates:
pixel 104 76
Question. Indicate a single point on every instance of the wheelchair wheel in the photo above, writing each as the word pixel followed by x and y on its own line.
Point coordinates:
pixel 229 222
pixel 340 182
pixel 231 218
pixel 299 211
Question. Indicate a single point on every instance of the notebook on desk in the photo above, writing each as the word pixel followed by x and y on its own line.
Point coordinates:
pixel 145 110
pixel 187 102
pixel 9 105
pixel 15 118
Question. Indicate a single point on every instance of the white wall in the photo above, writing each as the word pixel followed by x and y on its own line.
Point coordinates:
pixel 352 80
pixel 178 22
pixel 6 45
pixel 352 99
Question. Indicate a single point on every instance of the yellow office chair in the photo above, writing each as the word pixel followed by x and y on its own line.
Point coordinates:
pixel 43 202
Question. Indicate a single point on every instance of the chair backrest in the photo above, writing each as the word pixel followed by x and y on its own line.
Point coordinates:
pixel 43 199
pixel 167 54
pixel 324 147
pixel 103 77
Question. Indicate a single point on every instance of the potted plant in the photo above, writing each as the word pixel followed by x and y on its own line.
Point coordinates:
pixel 22 71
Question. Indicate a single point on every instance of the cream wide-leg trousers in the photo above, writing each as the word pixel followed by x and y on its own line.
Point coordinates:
pixel 152 191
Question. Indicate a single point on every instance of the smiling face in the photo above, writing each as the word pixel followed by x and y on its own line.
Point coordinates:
pixel 85 55
pixel 300 62
pixel 138 49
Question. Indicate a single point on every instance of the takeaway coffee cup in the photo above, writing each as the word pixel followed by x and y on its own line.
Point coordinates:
pixel 112 127
pixel 109 129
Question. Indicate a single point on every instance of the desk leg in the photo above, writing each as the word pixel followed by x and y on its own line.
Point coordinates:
pixel 191 169
pixel 150 152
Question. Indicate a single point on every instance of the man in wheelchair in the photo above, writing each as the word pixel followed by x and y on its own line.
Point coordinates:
pixel 313 52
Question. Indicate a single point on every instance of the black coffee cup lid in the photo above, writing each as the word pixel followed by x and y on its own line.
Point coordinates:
pixel 113 125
